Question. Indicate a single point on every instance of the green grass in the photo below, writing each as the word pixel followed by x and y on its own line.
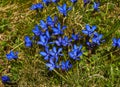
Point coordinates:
pixel 102 69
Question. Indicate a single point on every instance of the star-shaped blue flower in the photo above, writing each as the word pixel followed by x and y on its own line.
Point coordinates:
pixel 75 37
pixel 66 41
pixel 43 25
pixel 76 52
pixel 51 22
pixel 116 42
pixel 28 42
pixel 43 41
pixel 12 55
pixel 96 6
pixel 55 53
pixel 51 64
pixel 45 53
pixel 58 30
pixel 97 38
pixel 89 30
pixel 65 65
pixel 36 6
pixel 37 31
pixel 63 9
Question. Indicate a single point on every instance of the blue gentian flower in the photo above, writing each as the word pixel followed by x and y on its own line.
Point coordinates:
pixel 96 6
pixel 43 25
pixel 55 1
pixel 55 53
pixel 51 22
pixel 76 52
pixel 63 41
pixel 75 36
pixel 37 31
pixel 66 41
pixel 97 38
pixel 58 30
pixel 43 41
pixel 73 1
pixel 116 42
pixel 12 55
pixel 5 79
pixel 89 30
pixel 86 2
pixel 28 42
pixel 59 42
pixel 47 2
pixel 63 9
pixel 45 53
pixel 37 6
pixel 65 65
pixel 51 65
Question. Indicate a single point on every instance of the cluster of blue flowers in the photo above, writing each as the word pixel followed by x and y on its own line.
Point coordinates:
pixel 52 39
pixel 94 38
pixel 50 36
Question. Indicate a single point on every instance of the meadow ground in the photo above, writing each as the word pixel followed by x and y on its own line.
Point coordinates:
pixel 101 69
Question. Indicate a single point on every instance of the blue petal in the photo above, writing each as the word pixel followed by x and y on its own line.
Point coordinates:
pixel 85 32
pixel 64 6
pixel 54 49
pixel 88 27
pixel 59 50
pixel 64 27
pixel 43 53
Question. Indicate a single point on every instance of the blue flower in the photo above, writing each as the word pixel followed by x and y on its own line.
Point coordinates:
pixel 45 53
pixel 97 38
pixel 75 36
pixel 51 65
pixel 46 2
pixel 89 30
pixel 59 42
pixel 96 6
pixel 63 41
pixel 65 65
pixel 43 41
pixel 58 30
pixel 73 1
pixel 51 22
pixel 55 53
pixel 28 42
pixel 12 55
pixel 55 1
pixel 5 79
pixel 43 25
pixel 63 9
pixel 66 41
pixel 76 52
pixel 86 2
pixel 37 6
pixel 37 31
pixel 116 42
